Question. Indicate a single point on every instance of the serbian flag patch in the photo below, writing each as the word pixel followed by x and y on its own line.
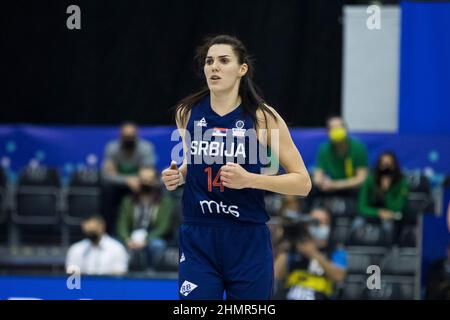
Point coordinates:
pixel 219 132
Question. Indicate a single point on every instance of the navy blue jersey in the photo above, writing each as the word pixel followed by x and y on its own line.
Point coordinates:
pixel 212 141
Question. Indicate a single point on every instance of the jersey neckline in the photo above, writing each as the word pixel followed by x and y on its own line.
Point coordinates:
pixel 226 114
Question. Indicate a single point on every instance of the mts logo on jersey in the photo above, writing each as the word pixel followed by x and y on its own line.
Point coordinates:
pixel 212 206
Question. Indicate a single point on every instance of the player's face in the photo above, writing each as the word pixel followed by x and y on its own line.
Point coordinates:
pixel 222 69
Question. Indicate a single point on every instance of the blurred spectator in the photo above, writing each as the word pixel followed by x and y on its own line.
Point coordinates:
pixel 438 279
pixel 145 221
pixel 98 253
pixel 342 162
pixel 290 207
pixel 122 160
pixel 383 197
pixel 311 267
pixel 289 211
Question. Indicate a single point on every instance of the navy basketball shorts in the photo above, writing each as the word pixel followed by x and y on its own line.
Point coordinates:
pixel 236 259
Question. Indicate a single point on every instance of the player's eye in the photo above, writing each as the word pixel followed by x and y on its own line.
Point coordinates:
pixel 209 61
pixel 224 60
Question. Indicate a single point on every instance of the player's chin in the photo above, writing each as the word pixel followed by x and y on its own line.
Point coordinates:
pixel 217 87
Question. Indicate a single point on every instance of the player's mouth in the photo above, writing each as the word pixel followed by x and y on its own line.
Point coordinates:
pixel 214 78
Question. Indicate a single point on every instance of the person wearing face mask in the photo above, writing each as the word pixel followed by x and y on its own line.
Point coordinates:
pixel 98 253
pixel 289 211
pixel 383 197
pixel 145 221
pixel 122 160
pixel 341 164
pixel 311 267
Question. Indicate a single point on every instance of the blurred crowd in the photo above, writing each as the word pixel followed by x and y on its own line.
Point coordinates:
pixel 140 219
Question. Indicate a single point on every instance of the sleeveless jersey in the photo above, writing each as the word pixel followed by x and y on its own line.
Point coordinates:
pixel 212 141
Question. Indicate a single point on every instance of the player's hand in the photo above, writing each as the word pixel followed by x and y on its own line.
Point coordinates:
pixel 233 176
pixel 171 176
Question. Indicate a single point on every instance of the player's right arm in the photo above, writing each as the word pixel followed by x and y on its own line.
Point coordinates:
pixel 174 176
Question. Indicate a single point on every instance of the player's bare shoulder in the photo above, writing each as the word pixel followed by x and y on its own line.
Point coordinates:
pixel 268 117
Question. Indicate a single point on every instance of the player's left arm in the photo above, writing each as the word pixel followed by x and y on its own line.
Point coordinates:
pixel 295 181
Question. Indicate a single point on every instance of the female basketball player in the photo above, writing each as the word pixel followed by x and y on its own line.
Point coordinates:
pixel 225 244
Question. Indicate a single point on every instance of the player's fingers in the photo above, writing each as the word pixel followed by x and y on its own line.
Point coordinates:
pixel 226 180
pixel 171 188
pixel 172 177
pixel 225 174
pixel 169 172
pixel 225 168
pixel 226 184
pixel 172 183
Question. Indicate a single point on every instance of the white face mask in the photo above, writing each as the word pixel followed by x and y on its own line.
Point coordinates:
pixel 292 214
pixel 319 232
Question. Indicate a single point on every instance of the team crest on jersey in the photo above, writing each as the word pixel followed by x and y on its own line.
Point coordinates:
pixel 187 287
pixel 202 123
pixel 219 132
pixel 239 131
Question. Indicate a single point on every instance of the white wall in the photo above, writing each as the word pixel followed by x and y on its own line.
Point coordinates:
pixel 371 70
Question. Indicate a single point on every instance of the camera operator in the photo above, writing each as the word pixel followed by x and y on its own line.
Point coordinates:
pixel 310 268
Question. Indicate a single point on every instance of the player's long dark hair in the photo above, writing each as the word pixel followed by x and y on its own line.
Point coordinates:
pixel 250 94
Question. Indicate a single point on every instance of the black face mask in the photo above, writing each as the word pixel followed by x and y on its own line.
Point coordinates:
pixel 94 237
pixel 147 188
pixel 128 144
pixel 387 172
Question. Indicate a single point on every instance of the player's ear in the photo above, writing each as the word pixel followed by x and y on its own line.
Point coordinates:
pixel 243 69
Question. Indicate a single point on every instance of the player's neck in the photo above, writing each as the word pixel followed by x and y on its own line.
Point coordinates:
pixel 224 102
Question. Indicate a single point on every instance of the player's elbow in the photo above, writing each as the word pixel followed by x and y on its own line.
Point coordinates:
pixel 305 185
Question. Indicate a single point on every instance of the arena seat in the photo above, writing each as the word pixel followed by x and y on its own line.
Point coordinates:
pixel 37 197
pixel 353 287
pixel 361 257
pixel 340 230
pixel 369 234
pixel 83 196
pixel 400 261
pixel 37 205
pixel 169 260
pixel 81 199
pixel 338 205
pixel 392 288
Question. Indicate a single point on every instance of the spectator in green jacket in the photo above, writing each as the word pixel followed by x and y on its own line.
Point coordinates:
pixel 383 196
pixel 145 221
pixel 342 162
